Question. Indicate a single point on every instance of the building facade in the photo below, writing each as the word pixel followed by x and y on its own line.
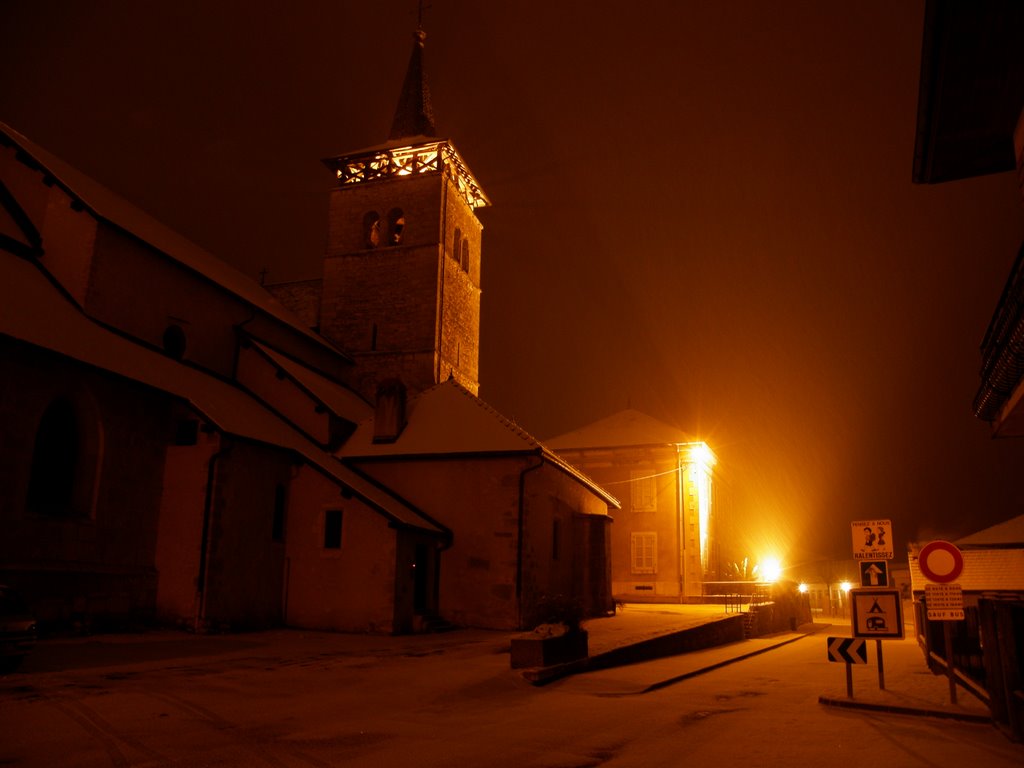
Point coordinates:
pixel 663 540
pixel 180 447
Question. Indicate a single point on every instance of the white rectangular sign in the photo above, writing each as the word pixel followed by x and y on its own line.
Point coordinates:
pixel 872 539
pixel 877 613
pixel 945 602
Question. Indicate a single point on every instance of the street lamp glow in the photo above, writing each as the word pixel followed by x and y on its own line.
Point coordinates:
pixel 701 454
pixel 771 569
pixel 846 586
pixel 802 588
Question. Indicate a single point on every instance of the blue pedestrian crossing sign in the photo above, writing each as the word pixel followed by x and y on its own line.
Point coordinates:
pixel 874 573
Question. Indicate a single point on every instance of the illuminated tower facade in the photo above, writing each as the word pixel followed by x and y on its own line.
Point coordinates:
pixel 401 281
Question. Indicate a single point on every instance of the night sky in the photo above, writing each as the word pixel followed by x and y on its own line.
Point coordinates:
pixel 701 210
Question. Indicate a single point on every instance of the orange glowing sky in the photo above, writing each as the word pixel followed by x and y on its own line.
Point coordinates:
pixel 702 210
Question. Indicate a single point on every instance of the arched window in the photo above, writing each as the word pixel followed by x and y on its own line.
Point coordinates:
pixel 55 460
pixel 175 341
pixel 371 229
pixel 457 245
pixel 396 226
pixel 464 260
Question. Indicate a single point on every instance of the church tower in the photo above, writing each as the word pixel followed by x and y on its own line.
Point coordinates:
pixel 401 281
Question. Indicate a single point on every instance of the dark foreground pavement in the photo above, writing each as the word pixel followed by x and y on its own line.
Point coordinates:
pixel 909 687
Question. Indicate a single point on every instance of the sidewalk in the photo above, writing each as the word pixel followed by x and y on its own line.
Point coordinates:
pixel 910 687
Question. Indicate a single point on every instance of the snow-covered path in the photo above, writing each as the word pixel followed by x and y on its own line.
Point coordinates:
pixel 438 703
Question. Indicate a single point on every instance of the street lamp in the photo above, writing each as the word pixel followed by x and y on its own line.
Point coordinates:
pixel 771 570
pixel 846 587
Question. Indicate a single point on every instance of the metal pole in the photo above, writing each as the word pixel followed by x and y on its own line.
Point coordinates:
pixel 947 637
pixel 881 665
pixel 849 680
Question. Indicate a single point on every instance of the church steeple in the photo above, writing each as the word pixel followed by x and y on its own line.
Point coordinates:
pixel 414 115
pixel 401 286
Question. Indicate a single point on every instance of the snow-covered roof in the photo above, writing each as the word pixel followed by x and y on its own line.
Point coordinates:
pixel 985 570
pixel 625 428
pixel 1007 533
pixel 112 209
pixel 448 420
pixel 35 311
pixel 340 400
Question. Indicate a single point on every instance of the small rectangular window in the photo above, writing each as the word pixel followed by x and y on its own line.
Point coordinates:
pixel 644 492
pixel 332 529
pixel 644 554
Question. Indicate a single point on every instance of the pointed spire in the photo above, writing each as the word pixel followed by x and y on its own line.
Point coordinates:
pixel 414 115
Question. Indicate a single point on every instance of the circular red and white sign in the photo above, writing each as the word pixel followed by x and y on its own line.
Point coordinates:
pixel 940 561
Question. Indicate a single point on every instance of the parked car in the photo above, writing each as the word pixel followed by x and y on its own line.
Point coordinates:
pixel 17 629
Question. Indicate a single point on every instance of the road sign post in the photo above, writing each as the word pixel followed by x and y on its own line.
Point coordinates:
pixel 877 613
pixel 850 650
pixel 942 563
pixel 947 640
pixel 881 665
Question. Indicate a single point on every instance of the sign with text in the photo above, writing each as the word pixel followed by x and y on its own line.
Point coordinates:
pixel 945 602
pixel 877 613
pixel 872 539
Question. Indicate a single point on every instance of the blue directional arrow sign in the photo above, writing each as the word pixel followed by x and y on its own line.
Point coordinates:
pixel 852 650
pixel 874 573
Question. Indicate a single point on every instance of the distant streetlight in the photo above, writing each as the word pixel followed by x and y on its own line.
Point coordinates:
pixel 846 587
pixel 802 588
pixel 771 569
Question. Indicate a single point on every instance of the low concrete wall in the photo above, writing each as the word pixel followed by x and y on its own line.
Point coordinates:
pixel 728 630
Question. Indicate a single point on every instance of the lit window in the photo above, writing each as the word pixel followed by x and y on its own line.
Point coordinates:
pixel 371 229
pixel 644 552
pixel 396 226
pixel 644 492
pixel 332 529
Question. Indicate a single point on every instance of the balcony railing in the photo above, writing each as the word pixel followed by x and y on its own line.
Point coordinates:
pixel 1002 350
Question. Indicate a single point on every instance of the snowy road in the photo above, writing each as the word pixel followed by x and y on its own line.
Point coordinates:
pixel 441 704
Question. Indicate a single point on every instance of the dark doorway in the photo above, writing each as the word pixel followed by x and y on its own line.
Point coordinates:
pixel 421 580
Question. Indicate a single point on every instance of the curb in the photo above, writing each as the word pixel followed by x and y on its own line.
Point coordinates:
pixel 970 717
pixel 542 675
pixel 710 667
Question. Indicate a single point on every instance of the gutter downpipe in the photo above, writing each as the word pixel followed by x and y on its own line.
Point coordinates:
pixel 680 497
pixel 204 545
pixel 519 532
pixel 444 272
